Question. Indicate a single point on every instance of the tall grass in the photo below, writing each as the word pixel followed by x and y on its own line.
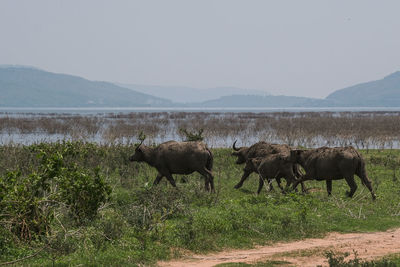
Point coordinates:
pixel 141 223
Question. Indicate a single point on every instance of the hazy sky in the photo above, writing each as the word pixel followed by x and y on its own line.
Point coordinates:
pixel 304 48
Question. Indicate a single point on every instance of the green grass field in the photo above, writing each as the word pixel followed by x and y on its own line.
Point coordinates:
pixel 136 223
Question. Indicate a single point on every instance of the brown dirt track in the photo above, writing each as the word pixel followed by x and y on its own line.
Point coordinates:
pixel 307 252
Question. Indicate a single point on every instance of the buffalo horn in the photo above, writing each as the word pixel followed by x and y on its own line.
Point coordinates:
pixel 234 147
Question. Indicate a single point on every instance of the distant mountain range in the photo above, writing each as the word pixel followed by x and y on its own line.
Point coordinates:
pixel 258 101
pixel 380 93
pixel 186 95
pixel 22 86
pixel 32 87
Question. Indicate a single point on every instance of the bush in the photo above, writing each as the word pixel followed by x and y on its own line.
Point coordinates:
pixel 83 192
pixel 190 136
pixel 30 202
pixel 336 260
pixel 25 205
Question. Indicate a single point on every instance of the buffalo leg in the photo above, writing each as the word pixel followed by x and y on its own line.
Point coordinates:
pixel 260 184
pixel 206 181
pixel 209 179
pixel 212 183
pixel 288 183
pixel 353 186
pixel 369 186
pixel 303 187
pixel 170 179
pixel 297 172
pixel 290 179
pixel 300 181
pixel 270 186
pixel 158 179
pixel 207 184
pixel 296 183
pixel 244 177
pixel 367 183
pixel 278 181
pixel 329 187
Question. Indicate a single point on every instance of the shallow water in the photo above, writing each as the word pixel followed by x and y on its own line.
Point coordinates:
pixel 221 129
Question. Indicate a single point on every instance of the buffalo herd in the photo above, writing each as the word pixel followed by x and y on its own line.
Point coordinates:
pixel 270 161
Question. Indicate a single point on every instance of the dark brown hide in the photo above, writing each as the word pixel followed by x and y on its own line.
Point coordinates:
pixel 177 158
pixel 332 164
pixel 260 150
pixel 274 166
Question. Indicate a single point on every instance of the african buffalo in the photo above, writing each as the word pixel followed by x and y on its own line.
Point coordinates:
pixel 177 158
pixel 259 150
pixel 273 166
pixel 333 164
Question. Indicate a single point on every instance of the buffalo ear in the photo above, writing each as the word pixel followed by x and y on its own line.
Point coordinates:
pixel 235 153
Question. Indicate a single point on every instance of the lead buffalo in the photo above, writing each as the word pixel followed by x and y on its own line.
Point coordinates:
pixel 273 166
pixel 333 164
pixel 177 158
pixel 260 150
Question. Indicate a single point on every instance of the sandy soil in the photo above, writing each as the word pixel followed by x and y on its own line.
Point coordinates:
pixel 307 252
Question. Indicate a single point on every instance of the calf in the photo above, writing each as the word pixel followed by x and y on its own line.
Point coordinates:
pixel 274 166
pixel 261 149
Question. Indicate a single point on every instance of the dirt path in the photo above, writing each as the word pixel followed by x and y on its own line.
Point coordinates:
pixel 307 252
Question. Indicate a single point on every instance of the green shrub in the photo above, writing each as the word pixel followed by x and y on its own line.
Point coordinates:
pixel 29 202
pixel 338 260
pixel 83 192
pixel 25 205
pixel 191 136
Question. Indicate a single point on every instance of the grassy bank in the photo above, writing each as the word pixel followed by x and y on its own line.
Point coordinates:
pixel 129 222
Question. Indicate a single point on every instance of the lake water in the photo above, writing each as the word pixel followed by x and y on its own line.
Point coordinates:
pixel 222 125
pixel 89 110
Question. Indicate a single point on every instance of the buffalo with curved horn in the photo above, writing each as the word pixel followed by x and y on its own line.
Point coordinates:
pixel 260 150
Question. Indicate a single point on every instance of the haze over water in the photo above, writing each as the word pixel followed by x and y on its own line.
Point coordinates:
pixel 299 48
pixel 72 110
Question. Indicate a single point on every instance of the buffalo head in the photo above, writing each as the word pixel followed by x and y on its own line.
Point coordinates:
pixel 138 155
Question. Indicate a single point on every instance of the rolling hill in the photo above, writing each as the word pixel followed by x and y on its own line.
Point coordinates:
pixel 267 101
pixel 181 94
pixel 31 87
pixel 380 93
